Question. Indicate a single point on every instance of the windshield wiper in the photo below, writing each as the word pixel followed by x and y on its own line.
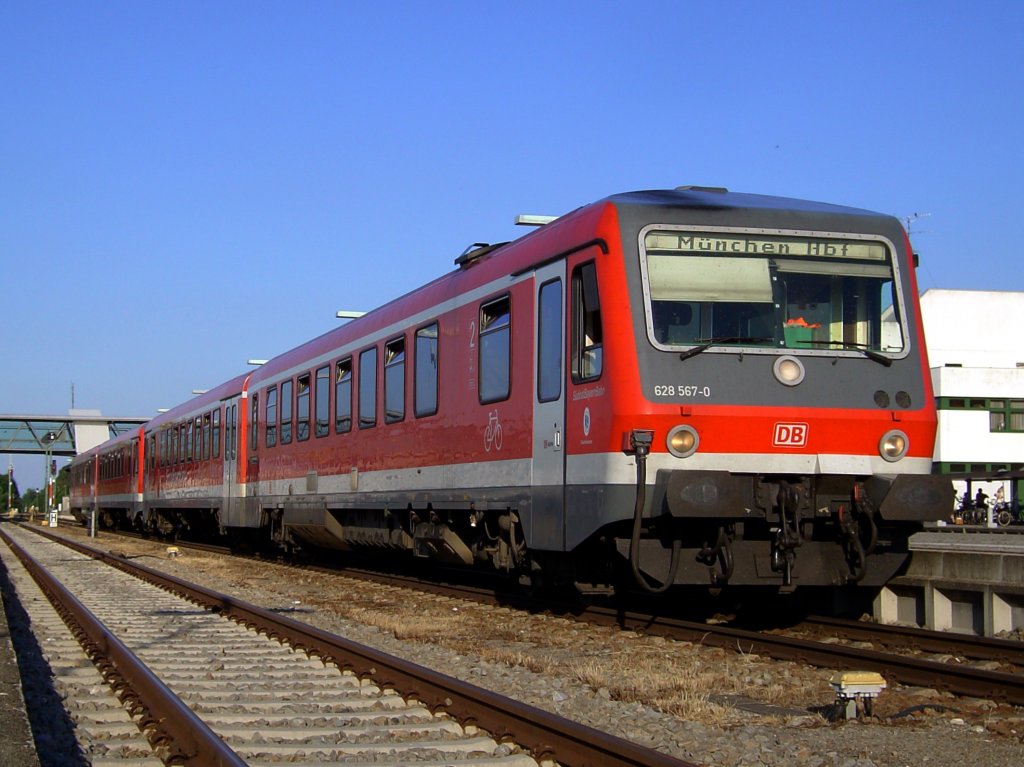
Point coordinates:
pixel 707 343
pixel 881 359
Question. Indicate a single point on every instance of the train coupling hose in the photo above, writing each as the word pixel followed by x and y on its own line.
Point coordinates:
pixel 640 446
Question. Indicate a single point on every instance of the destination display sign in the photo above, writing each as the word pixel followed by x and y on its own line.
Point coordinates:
pixel 762 245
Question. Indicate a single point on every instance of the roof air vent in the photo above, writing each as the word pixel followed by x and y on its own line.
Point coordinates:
pixel 475 251
pixel 711 189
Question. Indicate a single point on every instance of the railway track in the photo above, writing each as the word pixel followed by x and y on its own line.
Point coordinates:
pixel 959 679
pixel 839 643
pixel 839 647
pixel 206 690
pixel 961 646
pixel 818 640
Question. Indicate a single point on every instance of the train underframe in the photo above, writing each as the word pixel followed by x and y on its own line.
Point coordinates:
pixel 699 528
pixel 723 529
pixel 709 529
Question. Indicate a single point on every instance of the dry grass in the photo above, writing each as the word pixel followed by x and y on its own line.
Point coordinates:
pixel 516 658
pixel 405 627
pixel 654 681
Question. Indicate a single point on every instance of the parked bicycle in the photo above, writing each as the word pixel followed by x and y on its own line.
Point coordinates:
pixel 1006 513
pixel 972 511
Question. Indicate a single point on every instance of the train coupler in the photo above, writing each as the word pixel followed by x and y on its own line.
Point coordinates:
pixel 783 558
pixel 853 549
pixel 788 535
pixel 718 558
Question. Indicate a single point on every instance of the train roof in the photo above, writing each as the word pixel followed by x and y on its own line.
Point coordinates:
pixel 199 403
pixel 488 261
pixel 563 233
pixel 719 198
pixel 492 263
pixel 113 443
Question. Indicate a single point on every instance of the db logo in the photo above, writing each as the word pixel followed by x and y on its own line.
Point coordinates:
pixel 790 435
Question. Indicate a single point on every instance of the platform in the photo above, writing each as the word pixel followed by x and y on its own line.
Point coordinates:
pixel 17 748
pixel 961 578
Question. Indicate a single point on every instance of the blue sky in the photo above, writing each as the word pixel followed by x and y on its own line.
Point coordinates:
pixel 187 185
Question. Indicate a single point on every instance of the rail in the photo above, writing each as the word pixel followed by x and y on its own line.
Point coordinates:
pixel 166 720
pixel 545 735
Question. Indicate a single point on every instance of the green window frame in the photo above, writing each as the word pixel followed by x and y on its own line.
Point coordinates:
pixel 1004 414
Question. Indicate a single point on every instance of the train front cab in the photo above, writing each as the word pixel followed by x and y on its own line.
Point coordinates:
pixel 779 427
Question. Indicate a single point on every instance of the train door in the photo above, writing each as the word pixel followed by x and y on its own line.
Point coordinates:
pixel 546 527
pixel 230 490
pixel 137 474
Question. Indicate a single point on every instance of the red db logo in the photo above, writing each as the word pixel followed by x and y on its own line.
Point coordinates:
pixel 790 435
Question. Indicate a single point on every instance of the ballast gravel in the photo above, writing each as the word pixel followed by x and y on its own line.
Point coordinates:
pixel 913 727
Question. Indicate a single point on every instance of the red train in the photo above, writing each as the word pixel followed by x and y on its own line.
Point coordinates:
pixel 686 386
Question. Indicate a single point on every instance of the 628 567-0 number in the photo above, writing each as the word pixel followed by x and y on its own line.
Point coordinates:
pixel 671 390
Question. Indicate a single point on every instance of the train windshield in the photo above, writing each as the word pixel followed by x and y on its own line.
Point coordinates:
pixel 758 290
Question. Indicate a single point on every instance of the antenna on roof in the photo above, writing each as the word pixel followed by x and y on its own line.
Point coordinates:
pixel 908 220
pixel 526 219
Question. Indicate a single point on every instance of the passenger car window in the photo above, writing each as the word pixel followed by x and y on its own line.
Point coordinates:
pixel 302 408
pixel 323 401
pixel 368 388
pixel 343 395
pixel 495 349
pixel 271 439
pixel 426 371
pixel 216 434
pixel 286 412
pixel 394 380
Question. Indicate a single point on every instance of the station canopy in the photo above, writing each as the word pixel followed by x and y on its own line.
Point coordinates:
pixel 66 435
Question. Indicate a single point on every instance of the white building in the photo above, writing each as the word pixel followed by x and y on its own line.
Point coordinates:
pixel 976 352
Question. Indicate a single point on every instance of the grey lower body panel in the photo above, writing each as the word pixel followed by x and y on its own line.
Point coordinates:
pixel 817 563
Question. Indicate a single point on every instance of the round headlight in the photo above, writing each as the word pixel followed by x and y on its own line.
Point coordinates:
pixel 893 445
pixel 788 370
pixel 682 441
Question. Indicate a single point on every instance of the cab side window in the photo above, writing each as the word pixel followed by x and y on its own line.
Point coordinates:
pixel 587 338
